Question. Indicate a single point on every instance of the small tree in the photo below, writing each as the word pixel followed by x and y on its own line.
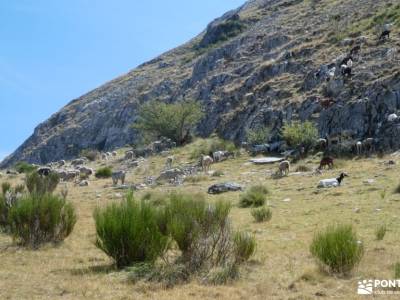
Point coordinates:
pixel 175 121
pixel 300 134
pixel 257 136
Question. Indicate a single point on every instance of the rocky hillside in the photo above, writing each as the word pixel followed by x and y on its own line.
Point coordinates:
pixel 262 64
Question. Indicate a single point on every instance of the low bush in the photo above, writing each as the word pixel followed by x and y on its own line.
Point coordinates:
pixel 129 232
pixel 300 134
pixel 261 214
pixel 5 187
pixel 255 196
pixel 205 146
pixel 105 172
pixel 303 168
pixel 258 136
pixel 218 173
pixel 41 185
pixel 90 154
pixel 24 167
pixel 244 246
pixel 36 219
pixel 337 248
pixel 380 232
pixel 196 178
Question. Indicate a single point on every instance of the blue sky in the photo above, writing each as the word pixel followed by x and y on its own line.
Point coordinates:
pixel 54 51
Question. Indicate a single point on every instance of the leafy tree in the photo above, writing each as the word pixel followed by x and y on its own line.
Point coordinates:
pixel 300 134
pixel 175 121
pixel 258 136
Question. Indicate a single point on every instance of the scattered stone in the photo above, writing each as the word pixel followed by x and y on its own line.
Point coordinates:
pixel 266 160
pixel 357 210
pixel 167 175
pixel 286 200
pixel 369 181
pixel 118 195
pixel 84 183
pixel 224 187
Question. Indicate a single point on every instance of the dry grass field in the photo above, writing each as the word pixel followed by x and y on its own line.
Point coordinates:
pixel 282 267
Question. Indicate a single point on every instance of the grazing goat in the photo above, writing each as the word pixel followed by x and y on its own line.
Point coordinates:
pixel 284 168
pixel 355 50
pixel 392 117
pixel 384 35
pixel 206 162
pixel 359 148
pixel 169 162
pixel 368 145
pixel 346 70
pixel 332 182
pixel 114 154
pixel 221 155
pixel 44 171
pixel 129 155
pixel 326 161
pixel 104 156
pixel 86 171
pixel 118 175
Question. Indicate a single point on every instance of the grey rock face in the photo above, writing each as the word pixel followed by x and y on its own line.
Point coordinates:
pixel 267 72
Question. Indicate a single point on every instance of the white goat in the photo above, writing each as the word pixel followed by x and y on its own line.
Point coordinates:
pixel 332 182
pixel 206 162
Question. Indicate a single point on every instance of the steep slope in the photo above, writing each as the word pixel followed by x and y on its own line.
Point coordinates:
pixel 256 65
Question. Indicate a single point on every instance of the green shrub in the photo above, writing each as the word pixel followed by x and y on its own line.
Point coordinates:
pixel 258 136
pixel 303 168
pixel 175 121
pixel 380 232
pixel 155 198
pixel 218 173
pixel 36 219
pixel 300 134
pixel 261 214
pixel 193 224
pixel 255 196
pixel 244 246
pixel 5 187
pixel 41 185
pixel 105 172
pixel 129 232
pixel 196 178
pixel 222 275
pixel 24 167
pixel 337 248
pixel 90 154
pixel 205 146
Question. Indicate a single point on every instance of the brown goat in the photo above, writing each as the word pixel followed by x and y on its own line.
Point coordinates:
pixel 326 161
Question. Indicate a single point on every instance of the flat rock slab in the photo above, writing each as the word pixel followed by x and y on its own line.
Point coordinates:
pixel 266 160
pixel 224 187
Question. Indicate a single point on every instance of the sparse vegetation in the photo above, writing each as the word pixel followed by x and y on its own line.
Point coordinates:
pixel 337 248
pixel 5 187
pixel 303 168
pixel 255 196
pixel 261 214
pixel 175 121
pixel 104 172
pixel 196 178
pixel 300 134
pixel 397 270
pixel 380 232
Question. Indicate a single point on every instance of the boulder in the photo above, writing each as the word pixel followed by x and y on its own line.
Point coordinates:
pixel 167 175
pixel 224 187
